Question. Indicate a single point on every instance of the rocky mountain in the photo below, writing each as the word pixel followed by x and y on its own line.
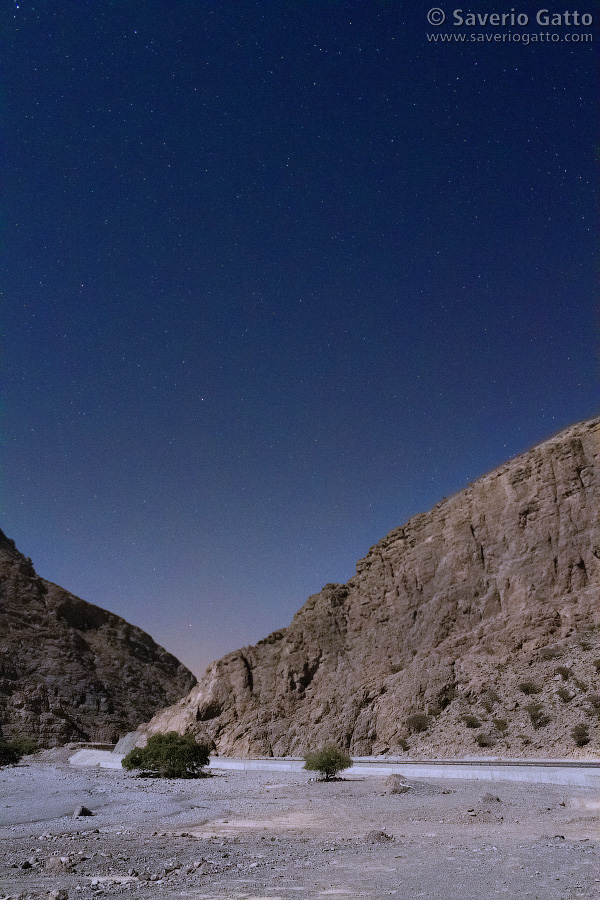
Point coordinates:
pixel 473 628
pixel 70 670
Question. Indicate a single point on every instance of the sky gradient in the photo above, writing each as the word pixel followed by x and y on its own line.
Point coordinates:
pixel 279 276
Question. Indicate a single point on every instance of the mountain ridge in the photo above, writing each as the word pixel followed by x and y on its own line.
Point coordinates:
pixel 446 616
pixel 70 670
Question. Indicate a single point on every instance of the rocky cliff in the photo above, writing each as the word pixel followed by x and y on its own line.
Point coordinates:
pixel 70 670
pixel 474 628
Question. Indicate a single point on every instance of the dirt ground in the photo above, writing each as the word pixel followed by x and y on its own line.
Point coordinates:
pixel 267 836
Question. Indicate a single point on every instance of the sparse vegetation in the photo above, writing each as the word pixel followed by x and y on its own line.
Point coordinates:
pixel 500 725
pixel 537 715
pixel 580 685
pixel 403 744
pixel 12 751
pixel 328 761
pixel 471 721
pixel 563 671
pixel 564 694
pixel 594 707
pixel 170 755
pixel 580 734
pixel 597 665
pixel 549 652
pixel 484 740
pixel 418 722
pixel 489 699
pixel 529 687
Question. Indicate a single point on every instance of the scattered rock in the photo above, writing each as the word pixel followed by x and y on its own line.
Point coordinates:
pixel 82 811
pixel 378 837
pixel 394 784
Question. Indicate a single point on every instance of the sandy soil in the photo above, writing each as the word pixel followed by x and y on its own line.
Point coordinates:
pixel 264 836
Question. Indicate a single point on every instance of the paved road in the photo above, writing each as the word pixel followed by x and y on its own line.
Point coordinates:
pixel 585 772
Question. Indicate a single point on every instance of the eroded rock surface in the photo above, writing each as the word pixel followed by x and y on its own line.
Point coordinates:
pixel 70 671
pixel 446 618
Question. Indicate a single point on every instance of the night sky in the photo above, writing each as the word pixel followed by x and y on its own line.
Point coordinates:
pixel 278 276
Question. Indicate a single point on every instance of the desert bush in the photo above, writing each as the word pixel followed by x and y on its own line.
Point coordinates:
pixel 529 687
pixel 471 721
pixel 500 725
pixel 563 671
pixel 549 652
pixel 403 744
pixel 580 734
pixel 585 645
pixel 12 750
pixel 170 755
pixel 418 722
pixel 597 665
pixel 580 685
pixel 537 715
pixel 564 694
pixel 8 753
pixel 328 761
pixel 484 740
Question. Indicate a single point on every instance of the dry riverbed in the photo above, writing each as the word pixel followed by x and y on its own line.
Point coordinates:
pixel 264 835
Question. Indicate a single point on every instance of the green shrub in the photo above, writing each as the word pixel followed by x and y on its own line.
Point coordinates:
pixel 580 735
pixel 529 687
pixel 25 746
pixel 537 715
pixel 170 755
pixel 8 753
pixel 471 721
pixel 328 761
pixel 549 652
pixel 484 740
pixel 418 722
pixel 500 725
pixel 403 744
pixel 564 672
pixel 594 701
pixel 12 751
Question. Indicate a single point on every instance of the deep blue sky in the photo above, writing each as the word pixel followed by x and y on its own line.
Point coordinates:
pixel 279 275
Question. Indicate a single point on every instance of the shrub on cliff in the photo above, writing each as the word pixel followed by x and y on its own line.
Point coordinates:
pixel 170 755
pixel 328 761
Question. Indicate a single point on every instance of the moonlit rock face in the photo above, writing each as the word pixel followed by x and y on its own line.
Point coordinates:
pixel 71 671
pixel 447 615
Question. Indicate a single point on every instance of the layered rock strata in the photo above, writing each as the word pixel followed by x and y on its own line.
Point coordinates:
pixel 70 671
pixel 456 628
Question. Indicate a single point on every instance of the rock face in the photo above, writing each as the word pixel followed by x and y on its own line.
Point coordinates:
pixel 471 629
pixel 70 670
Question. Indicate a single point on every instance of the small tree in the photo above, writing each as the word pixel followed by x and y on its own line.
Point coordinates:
pixel 580 734
pixel 170 755
pixel 328 761
pixel 12 751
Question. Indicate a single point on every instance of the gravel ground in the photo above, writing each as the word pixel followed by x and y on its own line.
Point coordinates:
pixel 264 835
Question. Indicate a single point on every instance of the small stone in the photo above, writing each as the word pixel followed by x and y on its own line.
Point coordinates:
pixel 82 811
pixel 394 784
